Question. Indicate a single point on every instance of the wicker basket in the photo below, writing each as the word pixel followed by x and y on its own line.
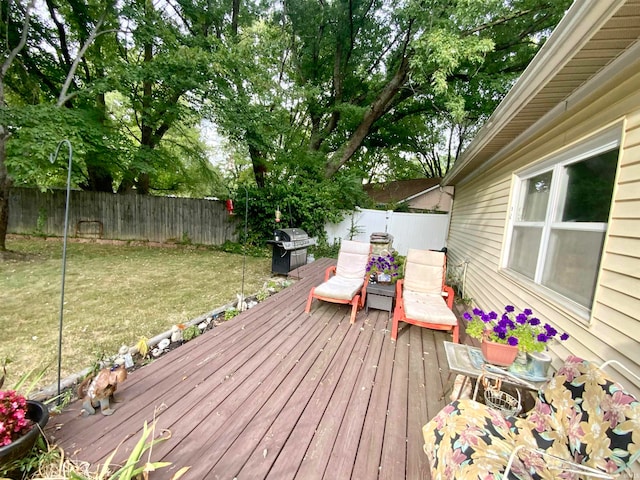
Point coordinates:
pixel 506 404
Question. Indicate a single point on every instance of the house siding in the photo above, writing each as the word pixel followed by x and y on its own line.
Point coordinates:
pixel 478 231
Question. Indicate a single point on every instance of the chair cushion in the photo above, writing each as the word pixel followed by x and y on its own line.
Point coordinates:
pixel 427 308
pixel 581 415
pixel 352 259
pixel 424 271
pixel 467 439
pixel 340 288
pixel 600 418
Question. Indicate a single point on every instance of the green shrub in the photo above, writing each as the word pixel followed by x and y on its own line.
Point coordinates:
pixel 190 333
pixel 230 313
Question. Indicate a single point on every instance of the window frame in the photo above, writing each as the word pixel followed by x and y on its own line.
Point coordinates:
pixel 555 163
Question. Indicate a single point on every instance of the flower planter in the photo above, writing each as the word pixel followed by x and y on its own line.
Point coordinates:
pixel 36 412
pixel 498 353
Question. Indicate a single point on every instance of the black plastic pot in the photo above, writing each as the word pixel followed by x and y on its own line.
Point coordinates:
pixel 39 414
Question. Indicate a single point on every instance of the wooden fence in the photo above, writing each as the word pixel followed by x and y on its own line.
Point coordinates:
pixel 121 217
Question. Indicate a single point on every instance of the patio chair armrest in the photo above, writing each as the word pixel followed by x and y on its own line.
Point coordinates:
pixel 328 272
pixel 363 292
pixel 554 462
pixel 448 295
pixel 399 285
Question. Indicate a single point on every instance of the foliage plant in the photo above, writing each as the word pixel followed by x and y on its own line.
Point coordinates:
pixel 190 333
pixel 387 263
pixel 325 249
pixel 304 202
pixel 43 456
pixel 521 330
pixel 13 407
pixel 230 313
pixel 135 467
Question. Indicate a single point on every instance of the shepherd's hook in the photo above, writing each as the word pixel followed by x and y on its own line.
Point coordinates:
pixel 52 159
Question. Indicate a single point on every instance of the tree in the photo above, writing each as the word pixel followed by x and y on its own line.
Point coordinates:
pixel 133 89
pixel 349 75
pixel 5 179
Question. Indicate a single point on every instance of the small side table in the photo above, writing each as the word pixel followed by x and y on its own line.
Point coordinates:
pixel 459 361
pixel 380 296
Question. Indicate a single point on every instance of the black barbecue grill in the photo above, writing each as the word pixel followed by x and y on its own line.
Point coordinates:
pixel 289 249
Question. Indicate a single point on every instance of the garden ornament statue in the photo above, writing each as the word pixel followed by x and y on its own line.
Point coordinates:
pixel 101 390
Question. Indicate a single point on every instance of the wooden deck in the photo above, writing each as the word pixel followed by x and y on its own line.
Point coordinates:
pixel 275 393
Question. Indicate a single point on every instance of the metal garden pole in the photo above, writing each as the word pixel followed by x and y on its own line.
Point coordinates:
pixel 52 159
pixel 244 247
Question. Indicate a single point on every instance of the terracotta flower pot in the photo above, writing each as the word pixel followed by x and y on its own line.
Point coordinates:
pixel 498 353
pixel 39 414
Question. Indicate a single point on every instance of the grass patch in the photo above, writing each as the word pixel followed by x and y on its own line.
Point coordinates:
pixel 113 296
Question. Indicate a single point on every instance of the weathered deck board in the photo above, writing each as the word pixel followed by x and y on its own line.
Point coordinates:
pixel 275 393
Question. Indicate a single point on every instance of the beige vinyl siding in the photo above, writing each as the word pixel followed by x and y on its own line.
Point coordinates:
pixel 479 222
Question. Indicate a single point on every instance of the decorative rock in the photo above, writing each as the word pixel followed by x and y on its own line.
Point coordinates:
pixel 123 350
pixel 164 344
pixel 128 360
pixel 241 305
pixel 202 325
pixel 156 352
pixel 251 304
pixel 176 334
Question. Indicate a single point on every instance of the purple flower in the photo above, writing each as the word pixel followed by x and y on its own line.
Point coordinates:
pixel 513 341
pixel 542 338
pixel 534 321
pixel 551 332
pixel 478 312
pixel 507 323
pixel 493 315
pixel 564 336
pixel 509 308
pixel 521 319
pixel 527 312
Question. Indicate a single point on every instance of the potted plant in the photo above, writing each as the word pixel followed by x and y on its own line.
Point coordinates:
pixel 503 337
pixel 384 268
pixel 22 421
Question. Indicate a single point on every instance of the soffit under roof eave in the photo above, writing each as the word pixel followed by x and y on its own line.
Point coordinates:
pixel 623 67
pixel 583 19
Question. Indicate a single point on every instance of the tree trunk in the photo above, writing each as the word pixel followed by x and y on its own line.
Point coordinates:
pixel 146 128
pixel 5 183
pixel 259 165
pixel 376 110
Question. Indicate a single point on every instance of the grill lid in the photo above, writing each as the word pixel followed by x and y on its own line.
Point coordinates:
pixel 289 235
pixel 292 239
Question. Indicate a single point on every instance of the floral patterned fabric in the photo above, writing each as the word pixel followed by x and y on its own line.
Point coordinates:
pixel 580 415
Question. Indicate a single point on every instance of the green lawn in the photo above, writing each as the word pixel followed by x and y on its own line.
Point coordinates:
pixel 113 296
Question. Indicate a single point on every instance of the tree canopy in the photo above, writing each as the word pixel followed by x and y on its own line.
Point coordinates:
pixel 316 95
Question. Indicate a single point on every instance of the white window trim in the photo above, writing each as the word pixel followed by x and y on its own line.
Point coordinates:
pixel 602 142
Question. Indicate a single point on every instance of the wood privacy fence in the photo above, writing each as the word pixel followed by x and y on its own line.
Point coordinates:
pixel 121 217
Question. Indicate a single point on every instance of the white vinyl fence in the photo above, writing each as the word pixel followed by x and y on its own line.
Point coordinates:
pixel 425 231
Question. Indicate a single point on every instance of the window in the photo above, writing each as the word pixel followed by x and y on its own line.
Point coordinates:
pixel 560 218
